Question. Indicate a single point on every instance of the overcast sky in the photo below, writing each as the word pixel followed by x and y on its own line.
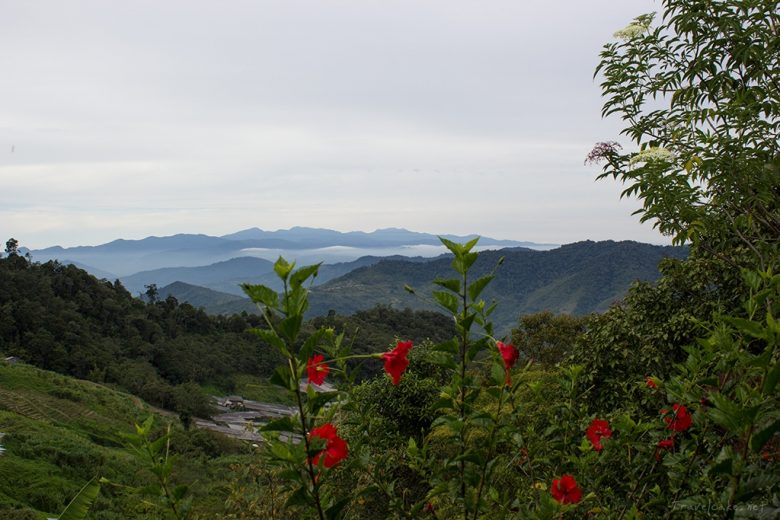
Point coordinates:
pixel 124 119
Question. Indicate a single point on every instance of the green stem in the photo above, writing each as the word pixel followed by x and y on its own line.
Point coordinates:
pixel 302 415
pixel 463 349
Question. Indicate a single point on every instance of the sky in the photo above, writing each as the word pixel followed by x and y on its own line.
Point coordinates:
pixel 128 119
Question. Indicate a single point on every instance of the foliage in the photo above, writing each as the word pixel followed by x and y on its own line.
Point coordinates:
pixel 78 507
pixel 577 279
pixel 307 462
pixel 700 94
pixel 547 338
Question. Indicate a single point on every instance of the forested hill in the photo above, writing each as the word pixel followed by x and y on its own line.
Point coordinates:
pixel 61 318
pixel 577 278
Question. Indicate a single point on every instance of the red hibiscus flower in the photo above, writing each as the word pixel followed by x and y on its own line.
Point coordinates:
pixel 565 490
pixel 680 420
pixel 651 383
pixel 316 369
pixel 336 448
pixel 509 354
pixel 396 360
pixel 598 429
pixel 666 444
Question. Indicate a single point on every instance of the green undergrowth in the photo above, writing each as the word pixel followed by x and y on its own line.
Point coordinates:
pixel 60 432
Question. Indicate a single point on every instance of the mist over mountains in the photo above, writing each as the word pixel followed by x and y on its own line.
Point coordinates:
pixel 121 258
pixel 361 270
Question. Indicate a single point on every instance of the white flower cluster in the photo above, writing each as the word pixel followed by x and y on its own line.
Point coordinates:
pixel 653 154
pixel 631 31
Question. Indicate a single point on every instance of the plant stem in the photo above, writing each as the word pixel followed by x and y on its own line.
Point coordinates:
pixel 463 349
pixel 309 465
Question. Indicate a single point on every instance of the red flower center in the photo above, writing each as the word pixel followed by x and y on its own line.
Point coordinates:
pixel 316 369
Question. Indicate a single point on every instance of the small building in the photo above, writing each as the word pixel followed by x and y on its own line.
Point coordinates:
pixel 234 402
pixel 11 360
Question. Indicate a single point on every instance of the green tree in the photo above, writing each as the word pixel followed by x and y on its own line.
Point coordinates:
pixel 12 247
pixel 700 96
pixel 547 338
pixel 152 294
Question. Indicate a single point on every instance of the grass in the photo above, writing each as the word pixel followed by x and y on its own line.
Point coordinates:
pixel 60 432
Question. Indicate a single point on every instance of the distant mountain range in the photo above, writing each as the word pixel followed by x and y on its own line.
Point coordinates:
pixel 122 258
pixel 577 278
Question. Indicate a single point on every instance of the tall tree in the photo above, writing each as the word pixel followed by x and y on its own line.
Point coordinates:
pixel 700 96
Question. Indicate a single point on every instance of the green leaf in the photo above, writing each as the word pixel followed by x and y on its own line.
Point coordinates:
pixel 447 300
pixel 261 294
pixel 470 244
pixel 79 506
pixel 449 346
pixel 442 359
pixel 281 451
pixel 312 341
pixel 748 327
pixel 727 414
pixel 281 377
pixel 454 247
pixel 179 492
pixel 451 283
pixel 290 327
pixel 497 374
pixel 771 380
pixel 760 438
pixel 272 339
pixel 283 268
pixel 476 288
pixel 302 274
pixel 321 399
pixel 299 498
pixel 334 511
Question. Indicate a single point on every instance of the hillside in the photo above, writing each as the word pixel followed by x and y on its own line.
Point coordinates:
pixel 228 276
pixel 59 432
pixel 578 278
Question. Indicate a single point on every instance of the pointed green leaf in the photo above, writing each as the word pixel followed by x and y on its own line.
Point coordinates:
pixel 302 274
pixel 319 400
pixel 748 327
pixel 447 300
pixel 290 327
pixel 283 268
pixel 272 339
pixel 78 508
pixel 334 511
pixel 760 438
pixel 470 244
pixel 450 346
pixel 281 377
pixel 261 294
pixel 771 380
pixel 476 288
pixel 454 247
pixel 448 283
pixel 312 341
